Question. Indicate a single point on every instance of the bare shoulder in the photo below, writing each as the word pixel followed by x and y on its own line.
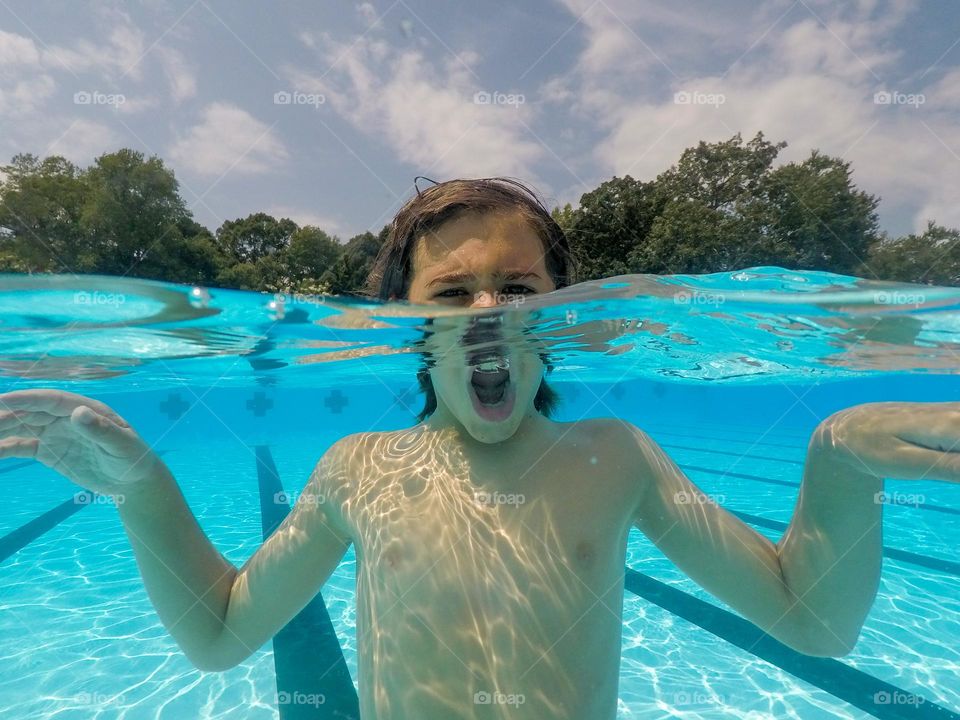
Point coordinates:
pixel 348 453
pixel 612 434
pixel 359 457
pixel 626 449
pixel 617 442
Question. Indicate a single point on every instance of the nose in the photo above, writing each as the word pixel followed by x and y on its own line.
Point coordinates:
pixel 484 299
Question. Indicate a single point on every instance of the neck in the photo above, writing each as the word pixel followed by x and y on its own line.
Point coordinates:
pixel 533 425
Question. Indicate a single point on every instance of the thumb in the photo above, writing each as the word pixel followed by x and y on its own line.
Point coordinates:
pixel 100 429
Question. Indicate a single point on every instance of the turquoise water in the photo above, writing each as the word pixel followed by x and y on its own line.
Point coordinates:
pixel 244 391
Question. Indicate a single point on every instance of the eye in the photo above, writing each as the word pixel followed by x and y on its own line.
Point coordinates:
pixel 451 292
pixel 518 290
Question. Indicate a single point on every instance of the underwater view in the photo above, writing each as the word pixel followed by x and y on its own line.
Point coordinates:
pixel 241 393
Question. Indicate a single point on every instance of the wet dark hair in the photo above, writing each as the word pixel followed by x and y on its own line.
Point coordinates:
pixel 392 269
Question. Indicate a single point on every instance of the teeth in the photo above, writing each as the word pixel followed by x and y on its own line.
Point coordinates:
pixel 493 364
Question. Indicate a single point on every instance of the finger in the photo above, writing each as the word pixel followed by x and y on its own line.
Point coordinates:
pixel 56 402
pixel 113 438
pixel 19 447
pixel 15 421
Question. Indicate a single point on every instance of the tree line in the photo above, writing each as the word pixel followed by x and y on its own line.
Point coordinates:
pixel 723 206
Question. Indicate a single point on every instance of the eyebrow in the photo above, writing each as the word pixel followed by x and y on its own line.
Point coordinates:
pixel 461 277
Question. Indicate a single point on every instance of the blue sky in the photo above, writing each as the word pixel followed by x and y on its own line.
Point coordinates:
pixel 563 94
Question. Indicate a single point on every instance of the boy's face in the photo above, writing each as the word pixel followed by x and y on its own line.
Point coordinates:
pixel 485 377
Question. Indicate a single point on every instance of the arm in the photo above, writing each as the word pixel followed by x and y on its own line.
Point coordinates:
pixel 217 614
pixel 826 565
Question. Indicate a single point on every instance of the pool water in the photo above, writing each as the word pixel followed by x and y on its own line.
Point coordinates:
pixel 242 393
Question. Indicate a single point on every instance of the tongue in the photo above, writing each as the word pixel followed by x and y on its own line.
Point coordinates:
pixel 490 386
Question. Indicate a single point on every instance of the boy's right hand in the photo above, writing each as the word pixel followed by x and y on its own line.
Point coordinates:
pixel 79 437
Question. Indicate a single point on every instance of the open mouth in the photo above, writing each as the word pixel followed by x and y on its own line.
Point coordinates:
pixel 490 388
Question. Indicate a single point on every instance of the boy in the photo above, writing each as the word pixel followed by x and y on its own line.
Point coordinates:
pixel 491 540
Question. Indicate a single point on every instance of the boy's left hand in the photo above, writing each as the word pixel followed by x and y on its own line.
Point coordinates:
pixel 901 440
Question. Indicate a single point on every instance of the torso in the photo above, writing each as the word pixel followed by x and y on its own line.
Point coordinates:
pixel 516 594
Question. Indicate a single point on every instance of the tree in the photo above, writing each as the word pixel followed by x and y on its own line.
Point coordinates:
pixel 932 257
pixel 692 237
pixel 563 216
pixel 719 175
pixel 610 222
pixel 132 216
pixel 816 217
pixel 311 253
pixel 248 239
pixel 200 260
pixel 713 215
pixel 40 207
pixel 350 271
pixel 722 207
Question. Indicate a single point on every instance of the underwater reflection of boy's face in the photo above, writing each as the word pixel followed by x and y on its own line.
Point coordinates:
pixel 485 377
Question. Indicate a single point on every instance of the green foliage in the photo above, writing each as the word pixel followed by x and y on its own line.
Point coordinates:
pixel 256 236
pixel 121 216
pixel 310 254
pixel 41 203
pixel 610 223
pixel 818 219
pixel 133 217
pixel 563 216
pixel 349 273
pixel 723 206
pixel 932 257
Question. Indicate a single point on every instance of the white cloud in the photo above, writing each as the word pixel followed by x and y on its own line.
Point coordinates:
pixel 183 82
pixel 330 225
pixel 809 80
pixel 117 57
pixel 228 139
pixel 426 114
pixel 17 50
pixel 945 93
pixel 367 12
pixel 82 140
